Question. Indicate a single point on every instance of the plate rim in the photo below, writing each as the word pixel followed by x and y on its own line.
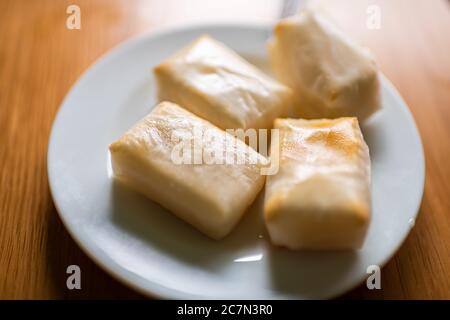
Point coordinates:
pixel 151 288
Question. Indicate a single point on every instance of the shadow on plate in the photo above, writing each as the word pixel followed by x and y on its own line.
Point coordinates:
pixel 294 273
pixel 309 274
pixel 145 219
pixel 373 134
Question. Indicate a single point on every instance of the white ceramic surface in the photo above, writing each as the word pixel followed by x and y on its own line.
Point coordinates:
pixel 149 249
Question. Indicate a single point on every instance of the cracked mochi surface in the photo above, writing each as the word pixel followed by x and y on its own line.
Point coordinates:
pixel 211 197
pixel 212 81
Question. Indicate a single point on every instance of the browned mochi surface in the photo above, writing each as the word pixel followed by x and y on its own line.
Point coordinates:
pixel 320 197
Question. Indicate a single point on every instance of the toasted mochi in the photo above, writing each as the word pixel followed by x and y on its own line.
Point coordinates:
pixel 211 197
pixel 320 197
pixel 330 75
pixel 212 81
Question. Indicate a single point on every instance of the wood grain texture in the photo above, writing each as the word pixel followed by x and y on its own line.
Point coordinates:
pixel 40 59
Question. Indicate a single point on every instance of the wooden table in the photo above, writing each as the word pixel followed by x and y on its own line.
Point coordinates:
pixel 40 59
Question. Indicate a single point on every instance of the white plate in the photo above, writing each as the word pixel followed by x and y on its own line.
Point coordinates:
pixel 149 249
